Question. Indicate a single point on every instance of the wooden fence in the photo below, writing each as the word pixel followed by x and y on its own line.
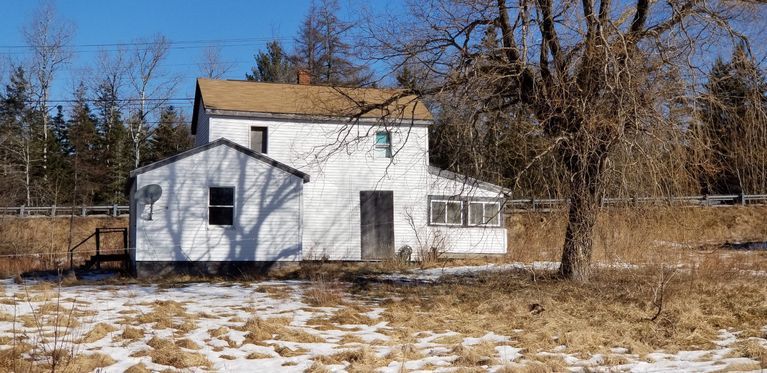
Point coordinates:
pixel 27 211
pixel 535 204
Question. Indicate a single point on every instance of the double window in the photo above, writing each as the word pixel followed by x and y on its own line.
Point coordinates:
pixel 383 144
pixel 446 212
pixel 221 206
pixel 484 213
pixel 465 212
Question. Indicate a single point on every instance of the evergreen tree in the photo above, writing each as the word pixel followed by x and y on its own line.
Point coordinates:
pixel 322 49
pixel 15 140
pixel 272 65
pixel 733 113
pixel 87 166
pixel 172 136
pixel 114 145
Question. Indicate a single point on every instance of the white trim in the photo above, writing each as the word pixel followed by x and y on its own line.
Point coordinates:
pixel 445 202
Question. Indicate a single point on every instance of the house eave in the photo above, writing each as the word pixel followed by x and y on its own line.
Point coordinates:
pixel 220 142
pixel 315 118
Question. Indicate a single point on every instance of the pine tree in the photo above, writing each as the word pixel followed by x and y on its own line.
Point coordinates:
pixel 15 140
pixel 114 145
pixel 733 112
pixel 322 49
pixel 172 136
pixel 272 65
pixel 87 166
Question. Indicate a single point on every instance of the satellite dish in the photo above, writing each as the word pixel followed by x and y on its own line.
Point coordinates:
pixel 148 195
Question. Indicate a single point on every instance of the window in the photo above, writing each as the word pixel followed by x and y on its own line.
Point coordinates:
pixel 383 144
pixel 446 212
pixel 258 139
pixel 484 213
pixel 221 206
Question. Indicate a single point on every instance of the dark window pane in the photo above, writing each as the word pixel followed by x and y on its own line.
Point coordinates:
pixel 492 214
pixel 221 216
pixel 258 139
pixel 475 214
pixel 454 212
pixel 438 212
pixel 221 196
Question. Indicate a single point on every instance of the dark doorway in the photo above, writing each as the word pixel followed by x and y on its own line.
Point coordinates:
pixel 377 224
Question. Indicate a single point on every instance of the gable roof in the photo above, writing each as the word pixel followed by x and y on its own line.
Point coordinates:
pixel 220 142
pixel 241 96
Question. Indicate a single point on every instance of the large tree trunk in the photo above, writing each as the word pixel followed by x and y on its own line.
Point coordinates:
pixel 582 216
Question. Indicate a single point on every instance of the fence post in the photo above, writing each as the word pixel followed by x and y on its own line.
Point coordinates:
pixel 742 198
pixel 53 211
pixel 82 210
pixel 21 211
pixel 114 210
pixel 98 248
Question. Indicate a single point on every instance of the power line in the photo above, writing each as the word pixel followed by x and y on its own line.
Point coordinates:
pixel 182 42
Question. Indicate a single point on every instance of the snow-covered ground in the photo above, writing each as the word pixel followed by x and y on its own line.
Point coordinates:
pixel 214 315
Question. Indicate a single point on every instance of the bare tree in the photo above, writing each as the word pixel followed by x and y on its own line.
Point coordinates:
pixel 151 88
pixel 48 38
pixel 592 79
pixel 211 65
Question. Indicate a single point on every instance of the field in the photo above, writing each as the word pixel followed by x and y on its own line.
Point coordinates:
pixel 666 297
pixel 504 317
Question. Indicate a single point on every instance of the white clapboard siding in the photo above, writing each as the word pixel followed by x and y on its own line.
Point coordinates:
pixel 268 210
pixel 203 128
pixel 340 159
pixel 466 240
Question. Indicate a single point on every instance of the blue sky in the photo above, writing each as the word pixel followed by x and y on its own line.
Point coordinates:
pixel 105 22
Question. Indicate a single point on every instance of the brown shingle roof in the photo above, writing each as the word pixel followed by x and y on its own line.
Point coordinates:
pixel 309 100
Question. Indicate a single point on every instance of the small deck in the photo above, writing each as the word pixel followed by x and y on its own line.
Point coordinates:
pixel 103 255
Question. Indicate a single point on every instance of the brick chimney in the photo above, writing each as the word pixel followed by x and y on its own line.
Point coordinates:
pixel 304 78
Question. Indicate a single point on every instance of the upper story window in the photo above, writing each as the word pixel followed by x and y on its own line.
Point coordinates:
pixel 484 213
pixel 446 212
pixel 258 139
pixel 383 144
pixel 221 206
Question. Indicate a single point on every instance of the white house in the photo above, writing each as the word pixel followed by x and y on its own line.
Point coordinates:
pixel 288 172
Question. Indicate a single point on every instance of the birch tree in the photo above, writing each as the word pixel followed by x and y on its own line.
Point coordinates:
pixel 151 88
pixel 49 39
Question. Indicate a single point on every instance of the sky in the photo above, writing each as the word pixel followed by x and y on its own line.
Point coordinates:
pixel 239 27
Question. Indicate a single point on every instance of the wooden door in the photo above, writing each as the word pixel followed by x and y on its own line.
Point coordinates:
pixel 377 224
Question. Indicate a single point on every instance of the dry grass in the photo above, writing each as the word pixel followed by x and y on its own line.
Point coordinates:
pixel 362 359
pixel 138 368
pixel 98 332
pixel 49 237
pixel 752 349
pixel 166 314
pixel 132 334
pixel 613 310
pixel 258 355
pixel 275 328
pixel 286 351
pixel 89 362
pixel 637 234
pixel 481 354
pixel 165 352
pixel 323 294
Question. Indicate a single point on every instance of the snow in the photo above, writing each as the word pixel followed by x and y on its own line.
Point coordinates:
pixel 215 305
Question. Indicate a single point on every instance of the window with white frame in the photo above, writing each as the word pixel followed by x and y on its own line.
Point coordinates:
pixel 485 213
pixel 221 206
pixel 383 144
pixel 446 212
